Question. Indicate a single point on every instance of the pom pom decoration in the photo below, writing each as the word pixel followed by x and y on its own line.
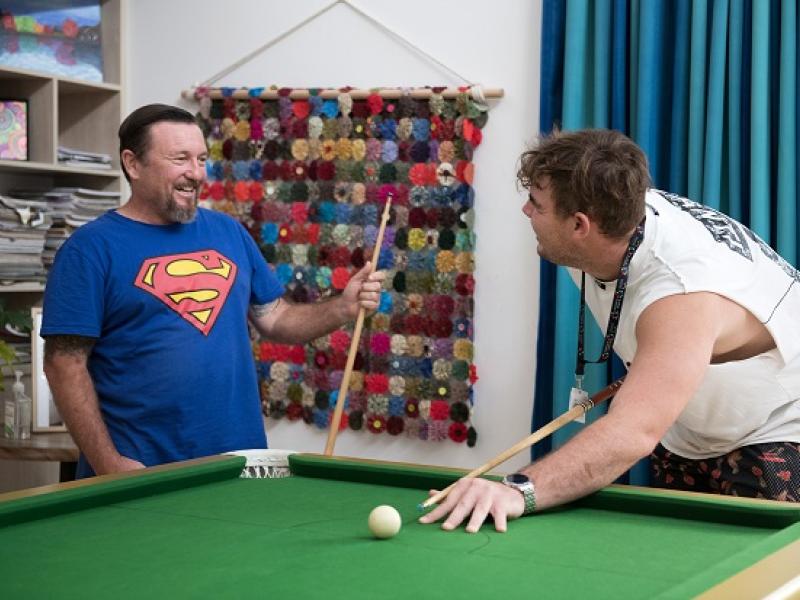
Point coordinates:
pixel 308 178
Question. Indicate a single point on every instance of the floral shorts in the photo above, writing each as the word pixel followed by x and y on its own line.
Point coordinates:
pixel 769 470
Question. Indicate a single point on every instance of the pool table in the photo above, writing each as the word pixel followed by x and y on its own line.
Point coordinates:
pixel 196 529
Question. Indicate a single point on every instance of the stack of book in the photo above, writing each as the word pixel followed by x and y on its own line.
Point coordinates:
pixel 34 225
pixel 23 228
pixel 87 205
pixel 83 159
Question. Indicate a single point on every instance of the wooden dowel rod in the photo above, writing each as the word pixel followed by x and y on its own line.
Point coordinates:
pixel 538 435
pixel 328 94
pixel 351 355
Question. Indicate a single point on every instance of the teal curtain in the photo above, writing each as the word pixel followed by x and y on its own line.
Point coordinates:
pixel 709 90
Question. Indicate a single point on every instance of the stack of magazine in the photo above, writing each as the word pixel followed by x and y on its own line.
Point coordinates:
pixel 83 159
pixel 34 225
pixel 23 228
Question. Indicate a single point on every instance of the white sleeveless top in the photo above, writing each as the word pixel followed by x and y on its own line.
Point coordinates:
pixel 688 247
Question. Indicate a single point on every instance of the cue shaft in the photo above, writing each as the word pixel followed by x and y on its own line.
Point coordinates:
pixel 351 355
pixel 541 433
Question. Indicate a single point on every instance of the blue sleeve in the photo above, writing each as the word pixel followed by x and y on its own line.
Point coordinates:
pixel 73 297
pixel 264 287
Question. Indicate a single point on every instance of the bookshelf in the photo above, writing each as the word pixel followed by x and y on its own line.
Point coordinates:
pixel 70 112
pixel 66 112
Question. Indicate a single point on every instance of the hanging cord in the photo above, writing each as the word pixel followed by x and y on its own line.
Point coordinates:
pixel 245 59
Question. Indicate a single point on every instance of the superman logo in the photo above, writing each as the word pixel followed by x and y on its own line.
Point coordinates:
pixel 195 285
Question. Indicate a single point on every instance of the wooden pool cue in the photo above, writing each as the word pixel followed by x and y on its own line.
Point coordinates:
pixel 351 355
pixel 541 433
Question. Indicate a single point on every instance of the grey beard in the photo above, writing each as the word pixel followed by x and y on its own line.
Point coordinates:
pixel 176 214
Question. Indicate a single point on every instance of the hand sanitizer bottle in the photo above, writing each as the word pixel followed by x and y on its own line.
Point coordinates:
pixel 18 412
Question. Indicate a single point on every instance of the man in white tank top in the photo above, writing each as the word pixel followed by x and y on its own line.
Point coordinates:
pixel 705 315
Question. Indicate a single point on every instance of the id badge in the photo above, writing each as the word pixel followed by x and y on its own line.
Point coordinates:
pixel 578 396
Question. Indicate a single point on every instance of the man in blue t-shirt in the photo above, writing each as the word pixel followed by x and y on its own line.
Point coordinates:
pixel 146 309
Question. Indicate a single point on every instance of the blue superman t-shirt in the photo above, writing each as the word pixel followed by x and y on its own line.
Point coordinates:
pixel 167 304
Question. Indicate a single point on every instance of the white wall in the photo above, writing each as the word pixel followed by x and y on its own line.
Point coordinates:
pixel 172 45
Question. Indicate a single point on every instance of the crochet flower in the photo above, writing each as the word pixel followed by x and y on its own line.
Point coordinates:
pixel 340 277
pixel 315 125
pixel 442 369
pixel 424 407
pixel 465 262
pixel 358 149
pixel 340 341
pixel 255 191
pixel 443 348
pixel 462 349
pixel 465 284
pixel 328 150
pixel 404 128
pixel 315 103
pixel 457 432
pixel 415 345
pixel 389 153
pixel 387 129
pixel 420 129
pixel 377 404
pixel 395 425
pixel 300 254
pixel 445 261
pixel 279 371
pixel 380 322
pixel 375 103
pixel 341 233
pixel 330 109
pixel 345 102
pixel 419 152
pixel 416 239
pixel 380 343
pixel 412 408
pixel 241 191
pixel 272 129
pixel 398 344
pixel 300 149
pixel 343 149
pixel 301 108
pixel 376 423
pixel 437 431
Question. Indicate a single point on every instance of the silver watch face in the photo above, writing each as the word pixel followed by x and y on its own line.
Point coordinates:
pixel 517 479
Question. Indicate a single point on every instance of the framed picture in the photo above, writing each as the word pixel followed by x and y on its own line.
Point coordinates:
pixel 45 413
pixel 13 130
pixel 57 37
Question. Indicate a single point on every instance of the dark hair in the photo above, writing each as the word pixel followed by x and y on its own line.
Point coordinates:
pixel 134 133
pixel 599 172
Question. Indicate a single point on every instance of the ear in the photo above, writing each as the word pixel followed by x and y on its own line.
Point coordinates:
pixel 131 162
pixel 582 225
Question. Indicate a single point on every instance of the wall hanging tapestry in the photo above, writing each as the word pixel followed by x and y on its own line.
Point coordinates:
pixel 308 177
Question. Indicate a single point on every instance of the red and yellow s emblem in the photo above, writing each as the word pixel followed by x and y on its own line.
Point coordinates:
pixel 195 285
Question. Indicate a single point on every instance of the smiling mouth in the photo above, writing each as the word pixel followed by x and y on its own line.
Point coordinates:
pixel 186 191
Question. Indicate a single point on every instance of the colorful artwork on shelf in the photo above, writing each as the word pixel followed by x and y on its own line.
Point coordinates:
pixel 309 180
pixel 13 130
pixel 56 37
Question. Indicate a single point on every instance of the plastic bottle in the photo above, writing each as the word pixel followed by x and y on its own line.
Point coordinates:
pixel 18 412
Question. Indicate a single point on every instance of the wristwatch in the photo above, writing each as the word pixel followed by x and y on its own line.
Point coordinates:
pixel 523 484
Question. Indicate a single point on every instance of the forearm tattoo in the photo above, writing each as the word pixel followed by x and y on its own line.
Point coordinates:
pixel 75 345
pixel 262 310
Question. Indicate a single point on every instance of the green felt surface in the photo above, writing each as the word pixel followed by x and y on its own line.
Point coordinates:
pixel 307 537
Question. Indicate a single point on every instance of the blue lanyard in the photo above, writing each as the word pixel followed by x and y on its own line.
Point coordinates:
pixel 616 308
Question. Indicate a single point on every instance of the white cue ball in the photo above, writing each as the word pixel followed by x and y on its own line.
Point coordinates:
pixel 384 521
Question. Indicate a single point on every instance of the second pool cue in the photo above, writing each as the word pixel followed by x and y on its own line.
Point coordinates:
pixel 351 355
pixel 538 435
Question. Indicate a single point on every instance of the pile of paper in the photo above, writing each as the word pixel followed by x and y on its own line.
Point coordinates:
pixel 83 159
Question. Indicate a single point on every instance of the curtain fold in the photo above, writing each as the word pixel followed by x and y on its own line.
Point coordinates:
pixel 709 91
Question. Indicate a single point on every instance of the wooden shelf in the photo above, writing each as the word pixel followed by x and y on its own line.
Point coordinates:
pixel 22 286
pixel 77 114
pixel 55 168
